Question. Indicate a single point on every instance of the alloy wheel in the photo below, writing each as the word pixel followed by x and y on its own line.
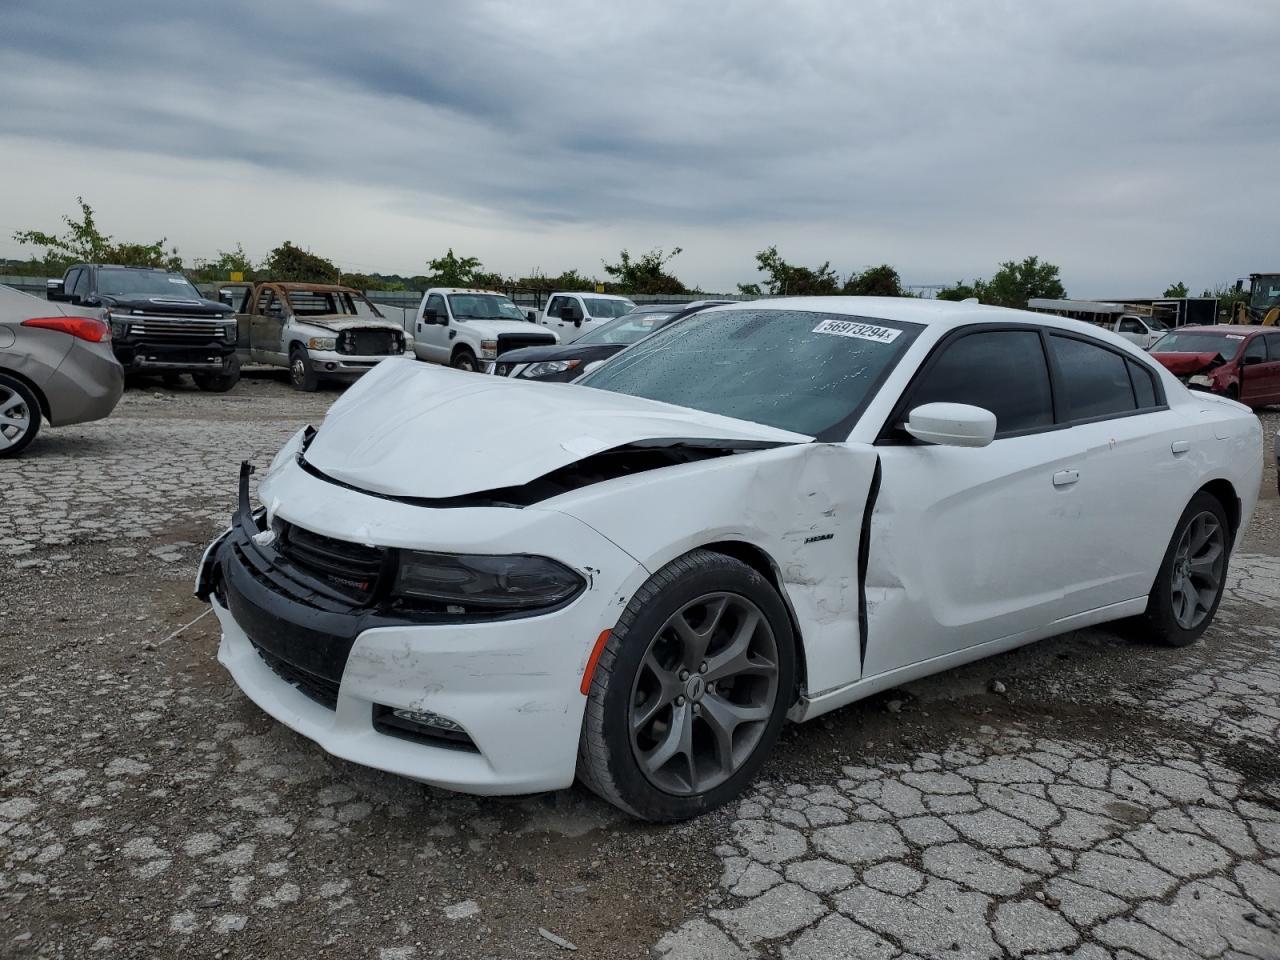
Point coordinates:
pixel 15 417
pixel 1199 563
pixel 703 694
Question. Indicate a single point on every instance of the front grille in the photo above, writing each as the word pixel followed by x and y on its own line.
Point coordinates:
pixel 516 341
pixel 169 329
pixel 354 569
pixel 317 688
pixel 368 343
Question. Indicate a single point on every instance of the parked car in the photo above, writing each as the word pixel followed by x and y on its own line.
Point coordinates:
pixel 54 363
pixel 571 315
pixel 763 511
pixel 467 329
pixel 1240 362
pixel 320 331
pixel 569 361
pixel 1141 331
pixel 159 322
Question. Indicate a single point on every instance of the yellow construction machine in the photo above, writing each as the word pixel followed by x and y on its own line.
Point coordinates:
pixel 1263 305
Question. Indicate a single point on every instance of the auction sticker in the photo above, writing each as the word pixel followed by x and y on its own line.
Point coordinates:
pixel 863 331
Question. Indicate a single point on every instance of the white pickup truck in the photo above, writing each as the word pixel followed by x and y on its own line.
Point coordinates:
pixel 572 314
pixel 1143 331
pixel 467 329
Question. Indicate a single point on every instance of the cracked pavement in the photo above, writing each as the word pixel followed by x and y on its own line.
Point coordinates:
pixel 1084 797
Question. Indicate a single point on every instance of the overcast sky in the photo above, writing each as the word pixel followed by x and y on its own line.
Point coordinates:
pixel 1132 143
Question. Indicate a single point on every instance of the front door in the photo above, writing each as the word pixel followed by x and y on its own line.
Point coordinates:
pixel 266 328
pixel 968 544
pixel 1260 370
pixel 560 318
pixel 431 332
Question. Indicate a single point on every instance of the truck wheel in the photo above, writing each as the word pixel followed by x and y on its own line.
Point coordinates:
pixel 301 374
pixel 219 382
pixel 464 359
pixel 19 416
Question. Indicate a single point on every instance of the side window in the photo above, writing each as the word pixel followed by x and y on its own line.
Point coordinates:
pixel 553 308
pixel 1256 350
pixel 1130 325
pixel 80 286
pixel 264 298
pixel 1094 379
pixel 1003 371
pixel 1273 347
pixel 1144 385
pixel 436 302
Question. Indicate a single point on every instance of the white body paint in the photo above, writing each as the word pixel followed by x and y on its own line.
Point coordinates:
pixel 971 550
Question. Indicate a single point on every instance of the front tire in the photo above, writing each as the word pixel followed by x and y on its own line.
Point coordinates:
pixel 219 382
pixel 1192 575
pixel 19 416
pixel 464 359
pixel 690 691
pixel 302 375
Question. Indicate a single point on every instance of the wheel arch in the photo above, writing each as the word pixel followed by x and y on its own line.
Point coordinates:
pixel 461 348
pixel 1225 493
pixel 759 560
pixel 30 385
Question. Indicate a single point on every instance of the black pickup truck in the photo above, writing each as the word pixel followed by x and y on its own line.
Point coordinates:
pixel 159 321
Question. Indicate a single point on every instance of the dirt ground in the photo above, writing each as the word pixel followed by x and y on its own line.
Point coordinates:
pixel 1087 796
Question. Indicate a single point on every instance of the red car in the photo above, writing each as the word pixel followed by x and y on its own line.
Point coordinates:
pixel 1237 361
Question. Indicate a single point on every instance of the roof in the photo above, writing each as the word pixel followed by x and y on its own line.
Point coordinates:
pixel 1225 328
pixel 589 293
pixel 452 290
pixel 315 287
pixel 119 266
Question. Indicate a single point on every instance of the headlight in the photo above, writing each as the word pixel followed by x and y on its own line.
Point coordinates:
pixel 323 343
pixel 485 582
pixel 118 327
pixel 547 367
pixel 229 331
pixel 489 348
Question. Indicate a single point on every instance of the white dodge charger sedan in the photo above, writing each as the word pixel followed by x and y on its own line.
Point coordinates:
pixel 764 511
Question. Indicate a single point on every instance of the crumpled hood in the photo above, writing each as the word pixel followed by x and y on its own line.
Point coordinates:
pixel 345 321
pixel 1181 364
pixel 410 429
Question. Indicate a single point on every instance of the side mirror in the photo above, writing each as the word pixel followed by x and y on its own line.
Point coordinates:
pixel 429 315
pixel 53 290
pixel 952 424
pixel 531 316
pixel 577 321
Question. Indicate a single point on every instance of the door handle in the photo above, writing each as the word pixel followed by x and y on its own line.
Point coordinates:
pixel 1064 478
pixel 1180 447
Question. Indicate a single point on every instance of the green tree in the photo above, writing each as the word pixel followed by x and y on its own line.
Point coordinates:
pixel 1177 291
pixel 1016 282
pixel 290 263
pixel 1228 296
pixel 454 271
pixel 84 242
pixel 881 281
pixel 226 263
pixel 568 280
pixel 959 291
pixel 789 280
pixel 646 274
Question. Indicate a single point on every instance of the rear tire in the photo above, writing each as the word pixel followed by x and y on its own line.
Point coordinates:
pixel 302 375
pixel 1192 575
pixel 690 691
pixel 19 416
pixel 219 382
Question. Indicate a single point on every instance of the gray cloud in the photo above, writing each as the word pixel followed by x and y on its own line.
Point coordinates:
pixel 1133 142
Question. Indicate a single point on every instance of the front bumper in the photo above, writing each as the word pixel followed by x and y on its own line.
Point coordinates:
pixel 512 685
pixel 209 356
pixel 330 363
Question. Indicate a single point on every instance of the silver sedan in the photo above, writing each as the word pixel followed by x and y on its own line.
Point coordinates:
pixel 54 363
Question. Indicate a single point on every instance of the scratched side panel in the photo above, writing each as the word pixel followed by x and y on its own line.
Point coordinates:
pixel 802 505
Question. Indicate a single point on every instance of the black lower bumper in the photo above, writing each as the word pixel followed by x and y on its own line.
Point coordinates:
pixel 209 356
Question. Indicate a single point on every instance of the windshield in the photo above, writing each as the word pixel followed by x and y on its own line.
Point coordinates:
pixel 483 306
pixel 1155 324
pixel 320 303
pixel 115 282
pixel 1266 292
pixel 793 369
pixel 1226 344
pixel 599 307
pixel 626 329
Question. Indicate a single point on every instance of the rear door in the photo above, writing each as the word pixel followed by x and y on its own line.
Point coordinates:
pixel 970 545
pixel 1273 364
pixel 1138 466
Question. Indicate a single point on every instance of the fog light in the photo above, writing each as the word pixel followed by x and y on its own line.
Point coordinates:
pixel 423 726
pixel 331 366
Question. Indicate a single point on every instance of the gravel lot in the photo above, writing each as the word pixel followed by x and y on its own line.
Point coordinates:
pixel 1085 797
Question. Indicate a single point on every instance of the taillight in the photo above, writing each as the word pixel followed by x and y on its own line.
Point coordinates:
pixel 85 328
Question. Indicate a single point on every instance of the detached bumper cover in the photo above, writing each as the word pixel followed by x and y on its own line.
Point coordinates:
pixel 322 665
